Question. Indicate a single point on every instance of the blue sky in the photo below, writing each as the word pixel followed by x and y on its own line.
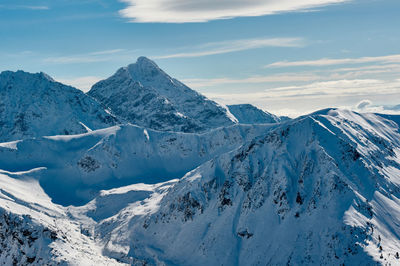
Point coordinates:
pixel 285 57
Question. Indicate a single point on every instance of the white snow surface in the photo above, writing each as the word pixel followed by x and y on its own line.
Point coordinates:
pixel 322 189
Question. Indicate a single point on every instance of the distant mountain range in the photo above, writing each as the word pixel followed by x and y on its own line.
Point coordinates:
pixel 141 94
pixel 249 114
pixel 142 170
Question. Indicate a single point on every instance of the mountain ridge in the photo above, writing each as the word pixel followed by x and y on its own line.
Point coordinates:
pixel 30 101
pixel 249 114
pixel 278 187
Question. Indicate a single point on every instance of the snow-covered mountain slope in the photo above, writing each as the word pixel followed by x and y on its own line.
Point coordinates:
pixel 143 94
pixel 394 118
pixel 323 189
pixel 120 155
pixel 320 189
pixel 249 114
pixel 33 230
pixel 33 105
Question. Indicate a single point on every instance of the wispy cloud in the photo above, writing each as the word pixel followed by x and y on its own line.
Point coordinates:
pixel 178 11
pixel 320 75
pixel 367 106
pixel 236 46
pixel 73 59
pixel 342 61
pixel 207 49
pixel 30 7
pixel 105 52
pixel 336 88
pixel 99 56
pixel 285 77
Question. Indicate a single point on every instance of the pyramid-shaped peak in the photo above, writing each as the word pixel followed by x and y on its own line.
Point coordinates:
pixel 153 99
pixel 143 65
pixel 148 73
pixel 142 60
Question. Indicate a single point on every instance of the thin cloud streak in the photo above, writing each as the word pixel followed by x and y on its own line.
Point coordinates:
pixel 30 7
pixel 114 51
pixel 178 11
pixel 286 77
pixel 306 76
pixel 343 61
pixel 99 56
pixel 334 88
pixel 236 46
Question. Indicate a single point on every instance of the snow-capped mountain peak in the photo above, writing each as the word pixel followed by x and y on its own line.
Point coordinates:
pixel 143 67
pixel 149 74
pixel 143 94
